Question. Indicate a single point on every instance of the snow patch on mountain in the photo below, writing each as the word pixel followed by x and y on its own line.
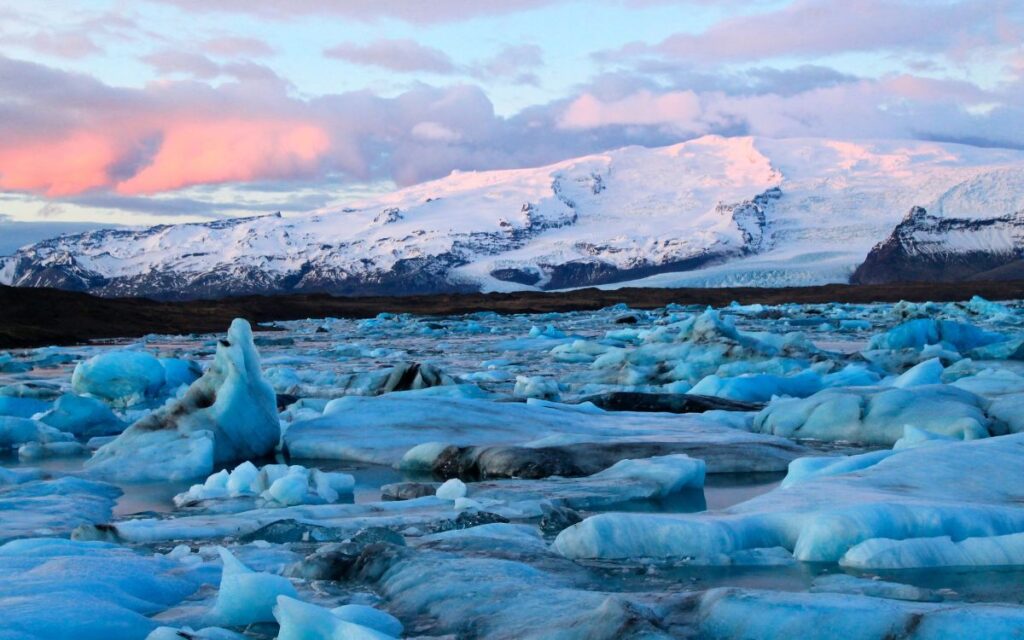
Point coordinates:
pixel 712 211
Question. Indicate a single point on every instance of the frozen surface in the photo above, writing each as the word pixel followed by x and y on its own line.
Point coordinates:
pixel 854 472
pixel 53 588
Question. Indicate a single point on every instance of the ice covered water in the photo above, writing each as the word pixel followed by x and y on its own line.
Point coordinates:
pixel 808 467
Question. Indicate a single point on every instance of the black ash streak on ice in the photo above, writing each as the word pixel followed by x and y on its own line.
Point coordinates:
pixel 411 475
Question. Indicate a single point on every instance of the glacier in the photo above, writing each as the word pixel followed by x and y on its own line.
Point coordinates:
pixel 710 212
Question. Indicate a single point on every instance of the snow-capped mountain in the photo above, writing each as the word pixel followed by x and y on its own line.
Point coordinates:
pixel 708 212
pixel 954 243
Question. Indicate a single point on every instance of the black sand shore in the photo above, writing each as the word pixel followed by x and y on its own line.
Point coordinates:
pixel 39 317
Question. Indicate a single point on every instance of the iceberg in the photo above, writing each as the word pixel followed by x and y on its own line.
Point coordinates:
pixel 82 416
pixel 469 437
pixel 246 596
pixel 228 414
pixel 877 415
pixel 920 492
pixel 121 378
pixel 303 621
pixel 15 432
pixel 728 613
pixel 941 551
pixel 918 334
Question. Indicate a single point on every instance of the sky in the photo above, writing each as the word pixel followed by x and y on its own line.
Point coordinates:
pixel 118 112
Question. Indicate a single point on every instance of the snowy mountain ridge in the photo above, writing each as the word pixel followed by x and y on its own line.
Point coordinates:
pixel 707 212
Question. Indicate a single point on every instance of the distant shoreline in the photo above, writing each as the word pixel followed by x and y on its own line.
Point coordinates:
pixel 40 317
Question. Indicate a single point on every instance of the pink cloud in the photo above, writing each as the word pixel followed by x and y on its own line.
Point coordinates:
pixel 228 151
pixel 679 108
pixel 55 168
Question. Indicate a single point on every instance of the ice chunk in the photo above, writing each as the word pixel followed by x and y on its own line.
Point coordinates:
pixel 122 378
pixel 759 387
pixel 228 414
pixel 536 387
pixel 803 469
pixel 919 553
pixel 452 490
pixel 384 429
pixel 82 416
pixel 921 492
pixel 927 372
pixel 876 415
pixel 39 450
pixel 19 476
pixel 914 437
pixel 469 595
pixel 186 633
pixel 728 613
pixel 247 596
pixel 302 621
pixel 276 485
pixel 179 372
pixel 917 334
pixel 369 617
pixel 242 478
pixel 669 473
pixel 52 507
pixel 15 432
pixel 842 583
pixel 21 407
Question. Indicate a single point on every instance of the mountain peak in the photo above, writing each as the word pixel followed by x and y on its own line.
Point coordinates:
pixel 713 211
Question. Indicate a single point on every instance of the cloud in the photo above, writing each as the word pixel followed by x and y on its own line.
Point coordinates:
pixel 68 44
pixel 514 62
pixel 806 28
pixel 229 150
pixel 413 11
pixel 58 167
pixel 896 106
pixel 170 61
pixel 68 136
pixel 433 131
pixel 394 54
pixel 682 109
pixel 234 46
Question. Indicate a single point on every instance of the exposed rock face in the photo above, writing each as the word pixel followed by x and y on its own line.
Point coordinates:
pixel 926 247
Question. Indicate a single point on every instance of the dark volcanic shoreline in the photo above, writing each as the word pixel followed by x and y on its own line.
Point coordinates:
pixel 38 317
